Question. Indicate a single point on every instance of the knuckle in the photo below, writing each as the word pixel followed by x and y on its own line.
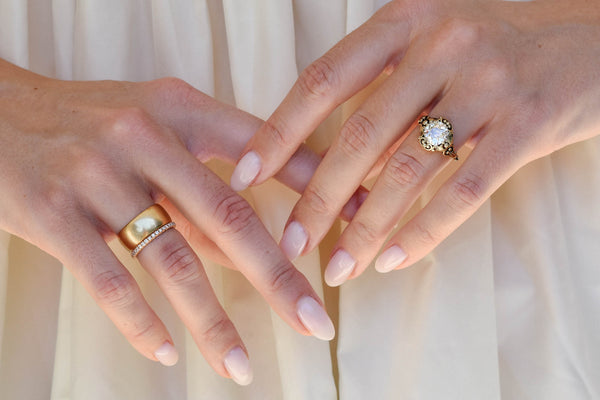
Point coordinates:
pixel 425 235
pixel 181 265
pixel 404 171
pixel 275 130
pixel 463 32
pixel 114 288
pixel 218 328
pixel 173 86
pixel 173 91
pixel 282 276
pixel 143 330
pixel 366 233
pixel 127 120
pixel 468 191
pixel 403 10
pixel 392 11
pixel 496 73
pixel 56 201
pixel 54 204
pixel 234 216
pixel 456 33
pixel 133 127
pixel 357 134
pixel 317 203
pixel 318 79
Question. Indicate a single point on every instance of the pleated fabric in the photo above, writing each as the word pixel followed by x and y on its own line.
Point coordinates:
pixel 506 307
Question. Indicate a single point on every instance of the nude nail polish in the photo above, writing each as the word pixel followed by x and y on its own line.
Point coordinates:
pixel 167 354
pixel 245 171
pixel 237 364
pixel 339 268
pixel 315 319
pixel 294 240
pixel 390 259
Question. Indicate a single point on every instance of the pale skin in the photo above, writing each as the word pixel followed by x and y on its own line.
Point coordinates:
pixel 517 80
pixel 81 159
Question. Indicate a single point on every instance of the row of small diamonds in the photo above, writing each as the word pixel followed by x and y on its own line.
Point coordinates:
pixel 150 238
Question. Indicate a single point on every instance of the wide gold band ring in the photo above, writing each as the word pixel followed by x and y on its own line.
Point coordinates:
pixel 437 135
pixel 145 227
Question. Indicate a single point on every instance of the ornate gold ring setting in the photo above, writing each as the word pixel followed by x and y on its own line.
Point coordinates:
pixel 436 135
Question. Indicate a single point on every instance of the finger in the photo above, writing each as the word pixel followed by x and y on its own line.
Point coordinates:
pixel 493 161
pixel 409 170
pixel 345 69
pixel 198 240
pixel 221 131
pixel 92 263
pixel 230 222
pixel 211 129
pixel 180 275
pixel 364 138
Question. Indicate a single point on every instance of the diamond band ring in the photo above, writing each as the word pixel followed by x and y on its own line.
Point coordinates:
pixel 145 227
pixel 436 135
pixel 150 238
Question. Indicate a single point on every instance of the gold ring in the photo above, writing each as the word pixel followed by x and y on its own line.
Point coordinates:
pixel 145 227
pixel 436 135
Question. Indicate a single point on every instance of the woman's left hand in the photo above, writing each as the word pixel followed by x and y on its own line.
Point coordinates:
pixel 518 80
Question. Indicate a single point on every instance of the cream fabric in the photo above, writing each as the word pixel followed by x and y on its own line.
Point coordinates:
pixel 507 307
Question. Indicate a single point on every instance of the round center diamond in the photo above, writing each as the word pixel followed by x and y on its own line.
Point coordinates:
pixel 436 134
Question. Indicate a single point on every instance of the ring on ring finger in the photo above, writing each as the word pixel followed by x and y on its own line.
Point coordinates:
pixel 145 227
pixel 437 135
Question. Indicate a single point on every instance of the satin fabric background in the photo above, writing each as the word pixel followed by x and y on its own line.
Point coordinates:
pixel 507 307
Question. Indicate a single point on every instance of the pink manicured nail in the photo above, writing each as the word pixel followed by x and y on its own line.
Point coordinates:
pixel 339 268
pixel 294 240
pixel 237 364
pixel 390 259
pixel 167 354
pixel 246 171
pixel 315 319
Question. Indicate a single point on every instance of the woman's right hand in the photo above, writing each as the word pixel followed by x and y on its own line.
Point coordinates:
pixel 79 160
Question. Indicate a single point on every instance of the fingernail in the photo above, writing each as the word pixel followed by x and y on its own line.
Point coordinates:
pixel 315 319
pixel 294 240
pixel 339 268
pixel 390 259
pixel 245 171
pixel 167 354
pixel 237 364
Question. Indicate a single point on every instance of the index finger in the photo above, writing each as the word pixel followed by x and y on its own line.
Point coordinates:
pixel 329 81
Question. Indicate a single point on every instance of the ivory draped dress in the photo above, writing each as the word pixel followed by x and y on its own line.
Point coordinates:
pixel 507 307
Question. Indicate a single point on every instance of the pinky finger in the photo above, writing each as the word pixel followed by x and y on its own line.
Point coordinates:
pixel 481 175
pixel 114 289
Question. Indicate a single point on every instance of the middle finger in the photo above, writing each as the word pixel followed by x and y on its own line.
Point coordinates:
pixel 228 220
pixel 181 277
pixel 365 136
pixel 406 174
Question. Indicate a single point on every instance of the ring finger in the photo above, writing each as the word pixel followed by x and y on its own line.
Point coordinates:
pixel 406 174
pixel 180 275
pixel 363 139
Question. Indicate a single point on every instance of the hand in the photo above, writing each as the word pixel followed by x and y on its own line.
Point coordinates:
pixel 79 160
pixel 517 80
